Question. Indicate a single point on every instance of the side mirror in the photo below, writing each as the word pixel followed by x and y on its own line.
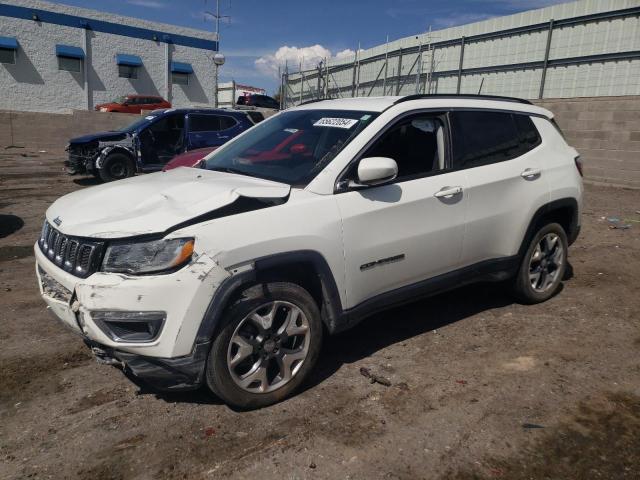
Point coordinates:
pixel 376 170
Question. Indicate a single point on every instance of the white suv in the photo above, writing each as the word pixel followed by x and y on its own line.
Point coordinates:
pixel 230 275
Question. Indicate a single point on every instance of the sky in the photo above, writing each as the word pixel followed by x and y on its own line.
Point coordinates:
pixel 258 35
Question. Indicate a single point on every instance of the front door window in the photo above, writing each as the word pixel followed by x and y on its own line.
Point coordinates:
pixel 162 140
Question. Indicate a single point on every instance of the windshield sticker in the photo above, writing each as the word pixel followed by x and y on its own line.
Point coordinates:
pixel 364 118
pixel 336 122
pixel 149 117
pixel 291 130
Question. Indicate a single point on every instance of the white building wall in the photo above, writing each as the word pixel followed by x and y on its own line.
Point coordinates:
pixel 201 88
pixel 34 83
pixel 104 82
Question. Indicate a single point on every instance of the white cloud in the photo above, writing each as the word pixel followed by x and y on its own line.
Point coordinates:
pixel 147 3
pixel 346 53
pixel 293 56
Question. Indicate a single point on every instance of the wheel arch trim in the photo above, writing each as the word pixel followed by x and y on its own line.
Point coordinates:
pixel 562 203
pixel 331 307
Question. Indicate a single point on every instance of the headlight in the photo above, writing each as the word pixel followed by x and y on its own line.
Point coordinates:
pixel 148 257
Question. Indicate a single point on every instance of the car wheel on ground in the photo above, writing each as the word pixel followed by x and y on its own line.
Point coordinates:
pixel 543 265
pixel 116 167
pixel 269 344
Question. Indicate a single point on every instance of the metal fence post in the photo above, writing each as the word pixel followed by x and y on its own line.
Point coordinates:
pixel 546 59
pixel 386 67
pixel 399 74
pixel 353 79
pixel 460 65
pixel 358 71
pixel 419 69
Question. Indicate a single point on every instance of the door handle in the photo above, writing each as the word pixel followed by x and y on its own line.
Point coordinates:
pixel 531 173
pixel 448 192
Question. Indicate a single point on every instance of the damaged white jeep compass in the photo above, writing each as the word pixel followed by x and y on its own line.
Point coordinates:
pixel 230 275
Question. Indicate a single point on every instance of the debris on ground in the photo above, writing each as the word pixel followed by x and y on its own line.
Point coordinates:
pixel 528 426
pixel 209 431
pixel 373 378
pixel 461 382
pixel 616 224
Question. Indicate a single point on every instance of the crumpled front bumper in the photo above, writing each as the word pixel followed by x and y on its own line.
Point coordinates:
pixel 167 374
pixel 173 357
pixel 79 164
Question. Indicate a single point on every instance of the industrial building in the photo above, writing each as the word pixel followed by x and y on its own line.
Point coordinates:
pixel 586 48
pixel 55 58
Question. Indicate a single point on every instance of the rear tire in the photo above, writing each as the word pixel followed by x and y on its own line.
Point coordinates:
pixel 116 167
pixel 270 342
pixel 543 265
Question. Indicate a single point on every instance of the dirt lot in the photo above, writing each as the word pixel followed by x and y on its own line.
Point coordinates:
pixel 480 387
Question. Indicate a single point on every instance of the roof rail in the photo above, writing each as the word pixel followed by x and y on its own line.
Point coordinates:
pixel 462 95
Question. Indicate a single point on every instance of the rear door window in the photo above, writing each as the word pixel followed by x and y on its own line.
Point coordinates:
pixel 483 138
pixel 204 123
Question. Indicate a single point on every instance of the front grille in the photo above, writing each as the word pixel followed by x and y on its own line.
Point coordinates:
pixel 78 256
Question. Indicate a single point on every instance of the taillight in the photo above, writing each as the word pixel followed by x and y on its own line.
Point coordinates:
pixel 578 161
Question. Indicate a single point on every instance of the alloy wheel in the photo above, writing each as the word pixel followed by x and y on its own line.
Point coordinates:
pixel 546 263
pixel 268 347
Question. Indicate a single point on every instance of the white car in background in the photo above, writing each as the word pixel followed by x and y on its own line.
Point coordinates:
pixel 231 275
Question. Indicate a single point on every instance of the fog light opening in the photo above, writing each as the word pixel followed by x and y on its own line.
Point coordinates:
pixel 130 327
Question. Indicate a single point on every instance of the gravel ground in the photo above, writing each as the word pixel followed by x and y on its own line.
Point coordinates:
pixel 480 387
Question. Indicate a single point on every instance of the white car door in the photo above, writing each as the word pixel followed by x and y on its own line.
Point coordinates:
pixel 500 152
pixel 409 230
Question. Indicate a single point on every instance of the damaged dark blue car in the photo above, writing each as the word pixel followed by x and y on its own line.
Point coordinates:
pixel 150 142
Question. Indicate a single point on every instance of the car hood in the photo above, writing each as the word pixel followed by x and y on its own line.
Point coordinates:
pixel 155 202
pixel 101 136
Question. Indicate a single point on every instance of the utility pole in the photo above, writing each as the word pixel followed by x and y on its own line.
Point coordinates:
pixel 218 58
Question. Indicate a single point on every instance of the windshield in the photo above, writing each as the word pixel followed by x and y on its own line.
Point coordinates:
pixel 137 124
pixel 120 100
pixel 292 147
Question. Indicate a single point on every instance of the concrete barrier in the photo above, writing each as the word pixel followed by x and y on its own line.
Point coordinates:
pixel 605 130
pixel 52 131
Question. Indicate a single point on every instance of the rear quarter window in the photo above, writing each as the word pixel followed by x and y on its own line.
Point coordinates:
pixel 227 122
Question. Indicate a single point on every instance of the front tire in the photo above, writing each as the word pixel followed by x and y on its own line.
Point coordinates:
pixel 270 342
pixel 116 167
pixel 543 265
